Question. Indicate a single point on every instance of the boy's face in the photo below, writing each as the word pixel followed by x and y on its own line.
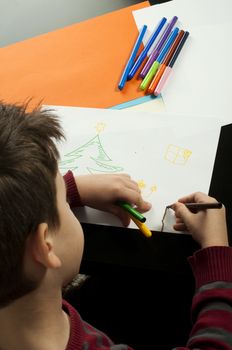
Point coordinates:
pixel 69 236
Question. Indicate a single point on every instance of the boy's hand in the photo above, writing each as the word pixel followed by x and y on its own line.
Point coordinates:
pixel 208 227
pixel 102 191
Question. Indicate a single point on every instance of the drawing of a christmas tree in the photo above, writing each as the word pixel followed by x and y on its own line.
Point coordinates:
pixel 89 157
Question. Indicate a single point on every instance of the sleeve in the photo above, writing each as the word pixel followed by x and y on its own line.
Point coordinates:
pixel 212 302
pixel 73 195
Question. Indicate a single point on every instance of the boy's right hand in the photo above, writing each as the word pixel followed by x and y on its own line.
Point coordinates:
pixel 208 227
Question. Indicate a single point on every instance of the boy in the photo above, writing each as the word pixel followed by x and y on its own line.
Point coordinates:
pixel 41 243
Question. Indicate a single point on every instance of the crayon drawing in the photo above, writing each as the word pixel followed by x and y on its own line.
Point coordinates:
pixel 146 191
pixel 177 155
pixel 100 127
pixel 90 157
pixel 163 155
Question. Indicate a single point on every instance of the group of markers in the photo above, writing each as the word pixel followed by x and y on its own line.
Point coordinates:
pixel 137 217
pixel 158 65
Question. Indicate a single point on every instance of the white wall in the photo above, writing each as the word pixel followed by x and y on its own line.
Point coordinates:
pixel 22 19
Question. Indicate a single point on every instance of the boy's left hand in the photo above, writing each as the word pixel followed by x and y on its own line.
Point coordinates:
pixel 102 191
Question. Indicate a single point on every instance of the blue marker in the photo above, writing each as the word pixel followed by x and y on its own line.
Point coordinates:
pixel 132 58
pixel 152 71
pixel 147 47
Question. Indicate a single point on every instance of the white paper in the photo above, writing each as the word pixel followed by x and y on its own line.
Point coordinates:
pixel 169 156
pixel 200 82
pixel 190 13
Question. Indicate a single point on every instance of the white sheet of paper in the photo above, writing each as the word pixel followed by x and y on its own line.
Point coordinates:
pixel 169 156
pixel 190 13
pixel 201 77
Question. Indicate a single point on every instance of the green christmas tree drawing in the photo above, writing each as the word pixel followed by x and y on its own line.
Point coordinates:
pixel 89 157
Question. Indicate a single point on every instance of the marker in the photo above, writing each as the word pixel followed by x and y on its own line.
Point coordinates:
pixel 152 71
pixel 168 69
pixel 132 58
pixel 163 65
pixel 143 54
pixel 155 53
pixel 201 206
pixel 132 211
pixel 143 228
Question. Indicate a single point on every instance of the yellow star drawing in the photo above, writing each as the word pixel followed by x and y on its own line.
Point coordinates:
pixel 153 188
pixel 177 155
pixel 100 127
pixel 141 184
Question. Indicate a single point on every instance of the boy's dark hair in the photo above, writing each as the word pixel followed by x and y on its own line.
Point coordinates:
pixel 28 168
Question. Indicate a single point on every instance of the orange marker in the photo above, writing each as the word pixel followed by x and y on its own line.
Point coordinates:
pixel 163 65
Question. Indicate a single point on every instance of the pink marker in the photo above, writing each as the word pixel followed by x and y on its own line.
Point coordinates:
pixel 162 81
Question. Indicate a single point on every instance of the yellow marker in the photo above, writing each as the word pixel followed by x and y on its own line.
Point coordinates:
pixel 143 228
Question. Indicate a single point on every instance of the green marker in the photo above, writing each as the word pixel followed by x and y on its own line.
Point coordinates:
pixel 137 215
pixel 148 78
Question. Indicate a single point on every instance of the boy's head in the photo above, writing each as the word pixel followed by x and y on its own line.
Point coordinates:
pixel 29 200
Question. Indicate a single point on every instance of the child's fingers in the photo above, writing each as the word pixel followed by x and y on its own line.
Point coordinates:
pixel 121 214
pixel 196 197
pixel 135 198
pixel 131 184
pixel 179 220
pixel 144 206
pixel 182 212
pixel 127 180
pixel 180 227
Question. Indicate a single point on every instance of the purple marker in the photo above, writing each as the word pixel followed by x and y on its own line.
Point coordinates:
pixel 158 47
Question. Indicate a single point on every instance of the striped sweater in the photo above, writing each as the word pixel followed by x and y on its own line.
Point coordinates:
pixel 211 305
pixel 212 302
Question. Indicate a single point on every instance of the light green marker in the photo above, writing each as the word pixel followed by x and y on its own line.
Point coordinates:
pixel 148 78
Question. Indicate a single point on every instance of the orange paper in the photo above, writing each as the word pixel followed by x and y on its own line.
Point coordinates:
pixel 79 65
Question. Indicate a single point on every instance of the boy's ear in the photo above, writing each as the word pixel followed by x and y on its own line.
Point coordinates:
pixel 43 248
